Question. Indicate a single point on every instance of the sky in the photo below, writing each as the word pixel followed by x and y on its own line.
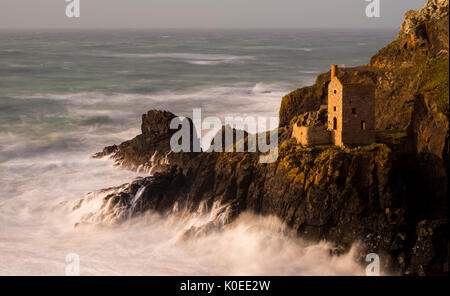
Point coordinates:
pixel 203 14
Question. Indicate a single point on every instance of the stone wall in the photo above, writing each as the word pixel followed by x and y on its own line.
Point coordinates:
pixel 358 107
pixel 311 135
pixel 351 116
pixel 335 93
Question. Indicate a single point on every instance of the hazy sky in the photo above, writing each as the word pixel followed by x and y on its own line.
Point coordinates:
pixel 206 14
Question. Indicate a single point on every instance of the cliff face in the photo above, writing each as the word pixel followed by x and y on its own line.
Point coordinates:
pixel 427 24
pixel 390 196
pixel 415 65
pixel 399 71
pixel 371 195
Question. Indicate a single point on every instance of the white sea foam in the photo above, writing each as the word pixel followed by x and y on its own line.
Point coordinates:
pixel 227 100
pixel 41 189
pixel 265 47
pixel 37 232
pixel 205 63
pixel 45 148
pixel 39 237
pixel 306 49
pixel 18 66
pixel 193 58
pixel 309 71
pixel 39 208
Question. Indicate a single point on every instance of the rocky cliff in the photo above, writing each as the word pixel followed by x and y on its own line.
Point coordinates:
pixel 390 196
pixel 402 69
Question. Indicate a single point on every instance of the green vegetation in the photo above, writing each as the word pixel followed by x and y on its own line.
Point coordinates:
pixel 435 84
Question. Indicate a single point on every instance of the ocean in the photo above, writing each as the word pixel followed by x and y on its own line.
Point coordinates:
pixel 64 95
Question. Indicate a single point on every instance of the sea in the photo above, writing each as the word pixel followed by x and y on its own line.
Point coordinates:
pixel 64 95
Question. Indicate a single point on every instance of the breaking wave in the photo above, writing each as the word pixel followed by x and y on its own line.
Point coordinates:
pixel 43 218
pixel 202 242
pixel 47 219
pixel 95 89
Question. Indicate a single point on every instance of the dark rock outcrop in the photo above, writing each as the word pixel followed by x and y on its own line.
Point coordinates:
pixel 149 152
pixel 313 118
pixel 391 198
pixel 368 194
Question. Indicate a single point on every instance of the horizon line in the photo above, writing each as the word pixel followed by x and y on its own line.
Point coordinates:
pixel 194 29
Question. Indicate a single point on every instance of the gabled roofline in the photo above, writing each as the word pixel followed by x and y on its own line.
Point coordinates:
pixel 338 80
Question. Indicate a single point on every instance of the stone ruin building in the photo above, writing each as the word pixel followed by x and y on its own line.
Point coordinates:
pixel 348 120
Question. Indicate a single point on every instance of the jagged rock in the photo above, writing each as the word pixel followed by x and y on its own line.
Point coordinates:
pixel 329 193
pixel 314 118
pixel 242 134
pixel 150 151
pixel 303 100
pixel 392 201
pixel 428 138
pixel 433 10
pixel 156 123
pixel 409 24
pixel 430 253
pixel 429 129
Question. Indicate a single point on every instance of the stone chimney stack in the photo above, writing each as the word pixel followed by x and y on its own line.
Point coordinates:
pixel 334 69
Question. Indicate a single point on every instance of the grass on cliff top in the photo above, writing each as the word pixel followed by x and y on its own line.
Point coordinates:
pixel 435 84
